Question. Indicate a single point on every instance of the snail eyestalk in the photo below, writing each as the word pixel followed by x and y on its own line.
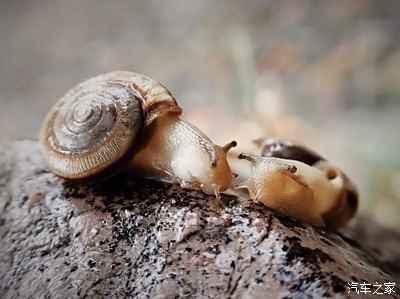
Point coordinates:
pixel 228 146
pixel 249 157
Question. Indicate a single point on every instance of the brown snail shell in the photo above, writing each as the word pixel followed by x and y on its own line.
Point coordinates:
pixel 96 126
pixel 288 149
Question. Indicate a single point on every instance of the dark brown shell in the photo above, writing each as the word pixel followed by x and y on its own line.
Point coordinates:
pixel 95 127
pixel 288 149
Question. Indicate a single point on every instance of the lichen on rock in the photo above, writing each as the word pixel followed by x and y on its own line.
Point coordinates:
pixel 142 239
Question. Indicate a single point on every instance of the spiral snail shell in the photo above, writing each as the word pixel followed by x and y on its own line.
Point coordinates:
pixel 98 126
pixel 95 126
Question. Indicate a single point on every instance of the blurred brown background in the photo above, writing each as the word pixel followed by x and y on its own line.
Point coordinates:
pixel 324 72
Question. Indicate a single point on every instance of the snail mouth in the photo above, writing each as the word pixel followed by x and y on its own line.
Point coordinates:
pixel 211 189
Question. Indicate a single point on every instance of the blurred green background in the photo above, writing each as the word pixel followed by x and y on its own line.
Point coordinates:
pixel 324 72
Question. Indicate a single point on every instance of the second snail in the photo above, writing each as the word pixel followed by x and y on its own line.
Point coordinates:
pixel 124 120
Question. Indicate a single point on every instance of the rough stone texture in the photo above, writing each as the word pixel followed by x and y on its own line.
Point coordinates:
pixel 127 238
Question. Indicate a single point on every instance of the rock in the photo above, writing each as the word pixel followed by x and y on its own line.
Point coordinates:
pixel 141 239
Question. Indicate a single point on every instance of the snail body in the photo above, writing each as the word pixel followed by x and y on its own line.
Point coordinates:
pixel 126 120
pixel 188 157
pixel 298 182
pixel 99 126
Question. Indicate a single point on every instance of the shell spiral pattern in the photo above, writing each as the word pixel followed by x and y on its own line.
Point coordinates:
pixel 92 128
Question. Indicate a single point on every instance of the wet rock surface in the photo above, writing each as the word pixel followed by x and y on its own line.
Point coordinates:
pixel 136 238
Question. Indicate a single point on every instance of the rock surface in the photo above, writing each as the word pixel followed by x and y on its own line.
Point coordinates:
pixel 135 238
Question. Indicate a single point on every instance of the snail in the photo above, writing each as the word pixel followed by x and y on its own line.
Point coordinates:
pixel 124 120
pixel 296 181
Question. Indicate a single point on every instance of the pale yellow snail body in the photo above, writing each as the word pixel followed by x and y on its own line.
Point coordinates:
pixel 189 157
pixel 102 124
pixel 298 182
